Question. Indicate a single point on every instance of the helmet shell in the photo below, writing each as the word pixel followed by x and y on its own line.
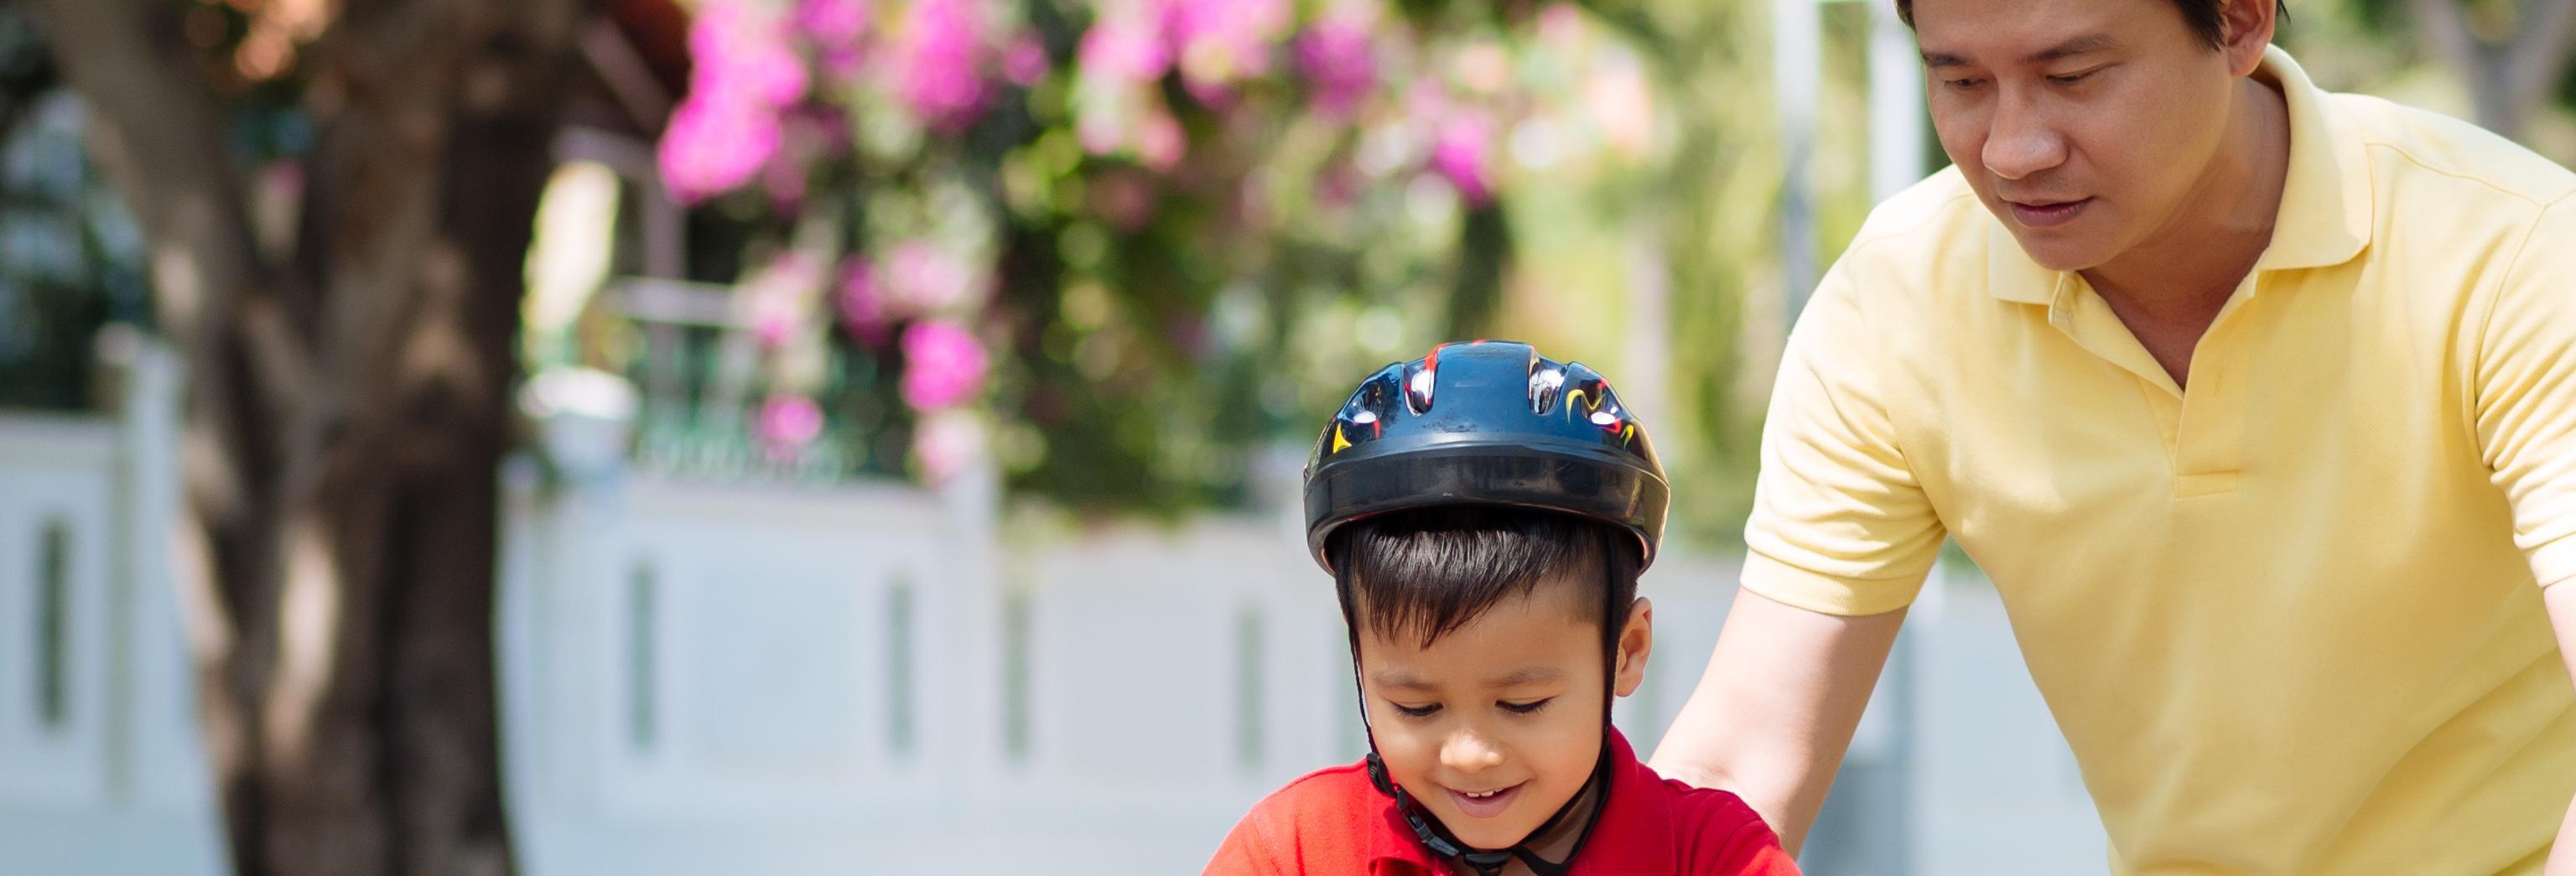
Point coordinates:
pixel 1489 423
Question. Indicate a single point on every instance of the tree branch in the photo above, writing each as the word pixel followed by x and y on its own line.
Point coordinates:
pixel 2446 31
pixel 156 131
pixel 2540 53
pixel 155 125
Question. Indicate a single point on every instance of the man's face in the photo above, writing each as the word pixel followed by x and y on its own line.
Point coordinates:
pixel 1498 723
pixel 2084 125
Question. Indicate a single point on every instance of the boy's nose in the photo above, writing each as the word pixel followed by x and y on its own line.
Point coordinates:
pixel 1468 751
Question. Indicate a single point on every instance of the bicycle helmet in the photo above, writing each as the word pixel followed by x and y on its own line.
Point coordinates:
pixel 1485 422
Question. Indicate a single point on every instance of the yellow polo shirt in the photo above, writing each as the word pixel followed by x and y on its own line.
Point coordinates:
pixel 2289 618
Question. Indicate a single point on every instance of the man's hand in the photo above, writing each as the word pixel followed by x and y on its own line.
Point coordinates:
pixel 1776 707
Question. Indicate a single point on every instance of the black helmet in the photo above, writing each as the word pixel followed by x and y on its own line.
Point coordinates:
pixel 1485 422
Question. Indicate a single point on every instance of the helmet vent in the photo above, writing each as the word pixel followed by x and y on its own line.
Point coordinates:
pixel 1417 389
pixel 1545 386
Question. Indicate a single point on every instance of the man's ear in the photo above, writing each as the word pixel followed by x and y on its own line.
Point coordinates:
pixel 2245 28
pixel 1635 641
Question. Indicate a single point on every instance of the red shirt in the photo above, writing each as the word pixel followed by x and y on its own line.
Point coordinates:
pixel 1332 822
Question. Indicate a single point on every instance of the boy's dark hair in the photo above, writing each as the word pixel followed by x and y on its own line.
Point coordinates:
pixel 1429 571
pixel 2199 15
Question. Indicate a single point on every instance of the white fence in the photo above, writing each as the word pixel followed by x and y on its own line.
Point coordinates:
pixel 733 679
pixel 99 767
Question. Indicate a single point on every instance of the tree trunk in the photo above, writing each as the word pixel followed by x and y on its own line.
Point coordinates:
pixel 346 412
pixel 2508 81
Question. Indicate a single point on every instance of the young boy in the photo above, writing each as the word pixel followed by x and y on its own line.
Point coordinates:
pixel 1485 513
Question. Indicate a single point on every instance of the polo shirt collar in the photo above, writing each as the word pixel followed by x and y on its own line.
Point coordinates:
pixel 1392 846
pixel 1629 821
pixel 2325 200
pixel 2325 215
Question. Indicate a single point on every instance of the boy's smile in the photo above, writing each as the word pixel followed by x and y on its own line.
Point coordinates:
pixel 1495 725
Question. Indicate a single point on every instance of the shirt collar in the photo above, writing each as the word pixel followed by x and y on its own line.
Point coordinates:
pixel 2325 198
pixel 1624 824
pixel 1392 846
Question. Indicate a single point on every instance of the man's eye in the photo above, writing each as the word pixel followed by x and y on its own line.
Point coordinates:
pixel 1528 707
pixel 2072 78
pixel 1962 84
pixel 1417 712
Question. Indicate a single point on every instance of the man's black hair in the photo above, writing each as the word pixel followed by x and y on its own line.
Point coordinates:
pixel 1426 572
pixel 2200 15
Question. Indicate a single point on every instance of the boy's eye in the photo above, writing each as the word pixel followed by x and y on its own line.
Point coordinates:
pixel 1416 712
pixel 1528 707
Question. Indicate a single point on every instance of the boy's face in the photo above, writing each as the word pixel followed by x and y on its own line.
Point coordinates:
pixel 1497 724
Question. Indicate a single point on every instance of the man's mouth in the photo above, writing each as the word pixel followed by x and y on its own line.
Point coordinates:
pixel 2044 214
pixel 1485 803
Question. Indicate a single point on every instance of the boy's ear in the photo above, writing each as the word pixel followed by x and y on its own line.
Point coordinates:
pixel 1635 641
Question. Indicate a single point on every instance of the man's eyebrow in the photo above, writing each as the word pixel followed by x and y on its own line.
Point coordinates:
pixel 2078 46
pixel 1935 60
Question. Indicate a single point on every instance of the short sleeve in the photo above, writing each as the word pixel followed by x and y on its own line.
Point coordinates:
pixel 1745 845
pixel 1839 524
pixel 2526 393
pixel 1754 851
pixel 1246 851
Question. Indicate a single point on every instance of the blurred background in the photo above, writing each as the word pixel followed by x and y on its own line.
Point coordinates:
pixel 862 436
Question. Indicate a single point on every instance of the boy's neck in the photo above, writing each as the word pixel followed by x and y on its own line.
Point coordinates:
pixel 1558 843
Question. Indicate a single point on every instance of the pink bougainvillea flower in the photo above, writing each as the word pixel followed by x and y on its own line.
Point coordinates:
pixel 921 278
pixel 943 365
pixel 778 296
pixel 1160 141
pixel 1463 154
pixel 715 143
pixel 744 73
pixel 939 61
pixel 1221 41
pixel 786 181
pixel 1025 62
pixel 862 310
pixel 947 443
pixel 741 48
pixel 838 29
pixel 1126 43
pixel 787 423
pixel 832 22
pixel 1338 57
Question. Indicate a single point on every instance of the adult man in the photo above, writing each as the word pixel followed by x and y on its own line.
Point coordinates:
pixel 2257 403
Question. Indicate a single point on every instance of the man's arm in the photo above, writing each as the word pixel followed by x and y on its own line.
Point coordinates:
pixel 2562 616
pixel 1840 537
pixel 2526 421
pixel 1776 707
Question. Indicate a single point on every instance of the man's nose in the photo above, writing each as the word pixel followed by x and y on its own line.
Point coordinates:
pixel 2021 141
